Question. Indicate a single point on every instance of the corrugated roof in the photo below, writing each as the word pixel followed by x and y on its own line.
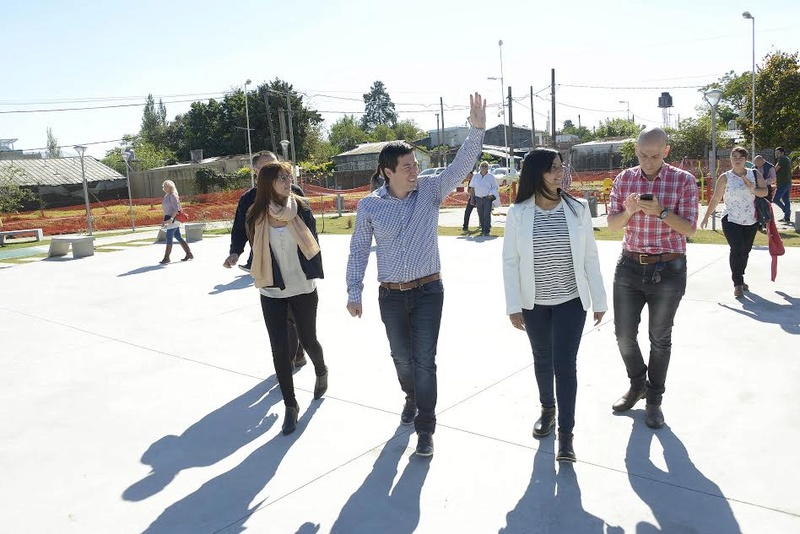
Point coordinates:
pixel 56 171
pixel 366 148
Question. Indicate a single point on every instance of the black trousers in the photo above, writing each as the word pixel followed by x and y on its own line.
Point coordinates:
pixel 304 310
pixel 740 238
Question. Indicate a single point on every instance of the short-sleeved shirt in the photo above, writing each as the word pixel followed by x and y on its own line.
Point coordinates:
pixel 739 207
pixel 784 174
pixel 675 189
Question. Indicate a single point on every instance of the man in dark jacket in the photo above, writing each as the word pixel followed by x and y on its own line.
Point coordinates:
pixel 239 239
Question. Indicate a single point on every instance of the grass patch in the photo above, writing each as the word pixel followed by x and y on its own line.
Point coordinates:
pixel 217 231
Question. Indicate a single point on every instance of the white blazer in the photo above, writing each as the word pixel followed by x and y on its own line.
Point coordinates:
pixel 518 271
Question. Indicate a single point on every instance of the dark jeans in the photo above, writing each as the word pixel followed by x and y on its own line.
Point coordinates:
pixel 484 206
pixel 555 335
pixel 468 213
pixel 412 319
pixel 740 239
pixel 634 287
pixel 304 310
pixel 781 199
pixel 176 233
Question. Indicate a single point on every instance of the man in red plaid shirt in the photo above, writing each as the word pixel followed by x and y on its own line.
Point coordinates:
pixel 656 203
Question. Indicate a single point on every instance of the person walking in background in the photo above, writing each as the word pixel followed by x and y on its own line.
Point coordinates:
pixel 656 204
pixel 403 217
pixel 470 202
pixel 286 260
pixel 783 174
pixel 740 186
pixel 171 205
pixel 551 273
pixel 767 171
pixel 486 193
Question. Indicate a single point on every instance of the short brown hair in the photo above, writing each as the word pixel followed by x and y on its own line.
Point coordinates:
pixel 740 150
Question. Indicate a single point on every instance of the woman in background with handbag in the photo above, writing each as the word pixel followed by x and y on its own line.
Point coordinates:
pixel 171 206
pixel 286 261
pixel 740 186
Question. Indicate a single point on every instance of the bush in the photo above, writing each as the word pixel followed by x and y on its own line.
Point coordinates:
pixel 208 180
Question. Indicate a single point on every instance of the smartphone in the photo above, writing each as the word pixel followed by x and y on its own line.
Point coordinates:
pixel 646 196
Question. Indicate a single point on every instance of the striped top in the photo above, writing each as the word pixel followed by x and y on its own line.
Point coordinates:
pixel 552 258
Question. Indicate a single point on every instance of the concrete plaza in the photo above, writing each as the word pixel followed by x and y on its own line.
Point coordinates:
pixel 141 398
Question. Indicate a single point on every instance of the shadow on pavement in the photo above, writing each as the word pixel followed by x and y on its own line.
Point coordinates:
pixel 240 282
pixel 142 270
pixel 787 316
pixel 376 506
pixel 215 437
pixel 224 502
pixel 681 498
pixel 552 501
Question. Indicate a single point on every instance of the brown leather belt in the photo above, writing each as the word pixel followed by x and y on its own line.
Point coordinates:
pixel 413 284
pixel 649 259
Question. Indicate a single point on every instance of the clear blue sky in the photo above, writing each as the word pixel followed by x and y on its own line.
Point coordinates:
pixel 59 51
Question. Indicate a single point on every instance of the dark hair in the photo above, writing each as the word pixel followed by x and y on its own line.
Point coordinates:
pixel 263 154
pixel 265 194
pixel 389 156
pixel 375 182
pixel 780 148
pixel 531 179
pixel 742 151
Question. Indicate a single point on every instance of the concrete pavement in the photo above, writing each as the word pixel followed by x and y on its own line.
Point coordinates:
pixel 141 398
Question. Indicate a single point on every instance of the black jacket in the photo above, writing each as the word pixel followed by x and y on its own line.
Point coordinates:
pixel 239 232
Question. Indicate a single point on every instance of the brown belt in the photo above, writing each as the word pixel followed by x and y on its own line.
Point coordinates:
pixel 413 284
pixel 649 259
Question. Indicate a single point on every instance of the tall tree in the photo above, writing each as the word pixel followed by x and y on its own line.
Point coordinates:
pixel 408 130
pixel 148 156
pixel 53 150
pixel 777 102
pixel 382 132
pixel 346 134
pixel 378 108
pixel 154 122
pixel 617 127
pixel 735 91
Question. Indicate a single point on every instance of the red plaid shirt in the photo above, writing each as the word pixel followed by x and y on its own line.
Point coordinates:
pixel 675 189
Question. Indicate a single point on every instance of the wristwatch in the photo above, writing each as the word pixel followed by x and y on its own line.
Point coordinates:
pixel 663 214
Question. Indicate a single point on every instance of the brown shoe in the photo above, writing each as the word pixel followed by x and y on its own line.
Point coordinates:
pixel 738 291
pixel 629 399
pixel 745 287
pixel 653 416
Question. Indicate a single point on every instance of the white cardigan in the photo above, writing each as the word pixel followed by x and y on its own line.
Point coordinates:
pixel 519 282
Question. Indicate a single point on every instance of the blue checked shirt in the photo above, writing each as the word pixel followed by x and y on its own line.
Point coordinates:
pixel 406 230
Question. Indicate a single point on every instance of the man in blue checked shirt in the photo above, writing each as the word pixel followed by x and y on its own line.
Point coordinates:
pixel 403 216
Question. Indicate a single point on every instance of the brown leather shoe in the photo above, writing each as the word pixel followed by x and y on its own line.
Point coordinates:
pixel 653 416
pixel 629 399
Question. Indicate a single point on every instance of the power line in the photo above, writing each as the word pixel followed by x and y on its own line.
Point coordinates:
pixel 79 100
pixel 631 88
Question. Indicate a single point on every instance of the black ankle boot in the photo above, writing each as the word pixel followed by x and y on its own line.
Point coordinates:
pixel 631 397
pixel 565 451
pixel 290 419
pixel 321 385
pixel 544 425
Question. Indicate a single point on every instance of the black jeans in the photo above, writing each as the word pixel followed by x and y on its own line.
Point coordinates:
pixel 304 310
pixel 740 238
pixel 468 212
pixel 555 335
pixel 484 206
pixel 634 286
pixel 412 319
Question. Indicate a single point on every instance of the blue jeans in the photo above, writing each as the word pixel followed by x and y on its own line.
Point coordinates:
pixel 781 199
pixel 635 286
pixel 555 336
pixel 412 319
pixel 176 232
pixel 484 206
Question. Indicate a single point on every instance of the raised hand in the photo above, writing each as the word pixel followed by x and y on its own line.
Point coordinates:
pixel 477 111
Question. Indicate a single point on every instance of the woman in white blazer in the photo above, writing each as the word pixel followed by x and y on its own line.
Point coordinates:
pixel 552 277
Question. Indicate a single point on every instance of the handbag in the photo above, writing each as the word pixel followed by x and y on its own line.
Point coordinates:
pixel 181 216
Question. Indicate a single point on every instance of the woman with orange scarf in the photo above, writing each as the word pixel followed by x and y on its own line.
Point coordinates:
pixel 286 260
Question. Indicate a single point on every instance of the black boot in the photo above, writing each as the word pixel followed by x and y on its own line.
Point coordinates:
pixel 290 419
pixel 653 416
pixel 545 424
pixel 565 451
pixel 632 396
pixel 321 385
pixel 167 252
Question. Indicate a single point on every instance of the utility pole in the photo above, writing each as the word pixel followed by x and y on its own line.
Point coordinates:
pixel 441 110
pixel 291 131
pixel 512 163
pixel 533 123
pixel 553 104
pixel 269 121
pixel 439 135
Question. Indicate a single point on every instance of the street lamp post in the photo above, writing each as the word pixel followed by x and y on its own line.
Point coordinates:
pixel 80 149
pixel 285 148
pixel 747 15
pixel 128 155
pixel 502 103
pixel 713 97
pixel 249 148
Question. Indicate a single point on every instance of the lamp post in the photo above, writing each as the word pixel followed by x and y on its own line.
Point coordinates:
pixel 503 104
pixel 713 97
pixel 80 149
pixel 249 148
pixel 128 155
pixel 627 109
pixel 747 15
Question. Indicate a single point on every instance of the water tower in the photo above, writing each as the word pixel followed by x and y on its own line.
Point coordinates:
pixel 665 103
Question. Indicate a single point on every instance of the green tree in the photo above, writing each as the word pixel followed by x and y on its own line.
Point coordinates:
pixel 692 139
pixel 735 91
pixel 408 130
pixel 382 132
pixel 12 196
pixel 617 127
pixel 777 102
pixel 583 132
pixel 53 150
pixel 319 149
pixel 378 108
pixel 148 156
pixel 154 122
pixel 346 134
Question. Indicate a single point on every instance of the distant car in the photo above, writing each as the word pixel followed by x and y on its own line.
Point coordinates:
pixel 432 172
pixel 505 175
